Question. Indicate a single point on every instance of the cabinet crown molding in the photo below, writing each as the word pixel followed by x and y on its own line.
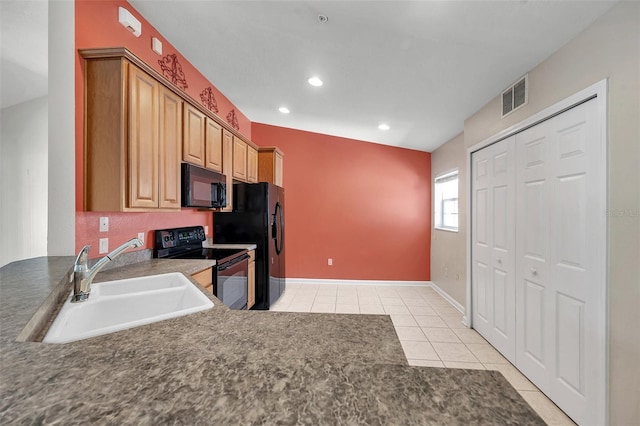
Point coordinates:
pixel 124 53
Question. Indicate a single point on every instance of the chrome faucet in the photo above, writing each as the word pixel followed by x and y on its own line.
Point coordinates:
pixel 83 276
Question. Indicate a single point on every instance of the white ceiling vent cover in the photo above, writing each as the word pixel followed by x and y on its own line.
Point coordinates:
pixel 515 96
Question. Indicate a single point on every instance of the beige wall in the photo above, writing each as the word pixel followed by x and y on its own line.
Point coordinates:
pixel 449 249
pixel 23 180
pixel 61 237
pixel 609 48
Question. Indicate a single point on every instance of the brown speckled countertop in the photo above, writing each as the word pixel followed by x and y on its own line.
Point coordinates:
pixel 229 367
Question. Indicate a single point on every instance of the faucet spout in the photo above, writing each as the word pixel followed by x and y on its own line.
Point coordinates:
pixel 83 276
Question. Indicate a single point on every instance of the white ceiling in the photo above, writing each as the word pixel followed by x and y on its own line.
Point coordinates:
pixel 420 66
pixel 23 51
pixel 423 67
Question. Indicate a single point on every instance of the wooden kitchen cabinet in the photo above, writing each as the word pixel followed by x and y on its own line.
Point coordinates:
pixel 227 166
pixel 270 165
pixel 202 141
pixel 205 279
pixel 252 164
pixel 143 139
pixel 139 127
pixel 239 159
pixel 193 141
pixel 213 146
pixel 245 161
pixel 169 139
pixel 251 275
pixel 131 132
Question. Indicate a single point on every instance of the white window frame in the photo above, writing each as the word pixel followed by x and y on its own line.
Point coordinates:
pixel 438 210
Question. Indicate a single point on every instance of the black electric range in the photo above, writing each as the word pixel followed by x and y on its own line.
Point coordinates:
pixel 230 274
pixel 186 243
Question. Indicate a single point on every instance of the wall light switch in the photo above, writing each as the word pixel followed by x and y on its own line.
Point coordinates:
pixel 104 224
pixel 141 236
pixel 206 230
pixel 104 245
pixel 330 262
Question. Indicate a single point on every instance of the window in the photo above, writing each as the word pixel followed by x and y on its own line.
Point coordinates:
pixel 446 201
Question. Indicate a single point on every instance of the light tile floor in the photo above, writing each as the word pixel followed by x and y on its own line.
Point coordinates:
pixel 429 328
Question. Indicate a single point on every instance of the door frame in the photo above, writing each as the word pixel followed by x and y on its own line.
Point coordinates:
pixel 598 92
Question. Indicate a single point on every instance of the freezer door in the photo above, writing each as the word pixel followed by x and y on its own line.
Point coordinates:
pixel 276 244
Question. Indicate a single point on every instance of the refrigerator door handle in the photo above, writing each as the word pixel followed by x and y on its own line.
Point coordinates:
pixel 277 220
pixel 274 228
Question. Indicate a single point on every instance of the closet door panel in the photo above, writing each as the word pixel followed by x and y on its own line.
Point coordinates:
pixel 493 246
pixel 574 263
pixel 533 312
pixel 502 247
pixel 482 306
pixel 482 294
pixel 501 303
pixel 533 212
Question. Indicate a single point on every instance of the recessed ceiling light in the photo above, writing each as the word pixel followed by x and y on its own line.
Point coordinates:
pixel 284 110
pixel 384 126
pixel 315 81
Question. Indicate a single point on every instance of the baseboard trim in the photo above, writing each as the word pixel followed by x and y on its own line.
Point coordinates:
pixel 448 298
pixel 318 281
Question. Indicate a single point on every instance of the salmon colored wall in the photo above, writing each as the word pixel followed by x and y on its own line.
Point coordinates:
pixel 96 25
pixel 366 206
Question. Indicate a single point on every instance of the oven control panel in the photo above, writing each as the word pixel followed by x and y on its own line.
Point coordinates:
pixel 178 237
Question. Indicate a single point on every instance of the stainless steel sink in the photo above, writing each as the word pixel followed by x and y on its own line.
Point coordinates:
pixel 123 304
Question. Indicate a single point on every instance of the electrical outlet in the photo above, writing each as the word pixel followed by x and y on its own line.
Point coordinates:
pixel 104 224
pixel 104 245
pixel 141 236
pixel 330 261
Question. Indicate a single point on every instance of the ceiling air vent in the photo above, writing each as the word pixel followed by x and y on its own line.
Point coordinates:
pixel 515 96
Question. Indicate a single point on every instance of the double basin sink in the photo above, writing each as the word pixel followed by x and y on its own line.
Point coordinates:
pixel 128 303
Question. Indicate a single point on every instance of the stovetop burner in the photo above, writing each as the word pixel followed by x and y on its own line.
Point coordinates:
pixel 186 243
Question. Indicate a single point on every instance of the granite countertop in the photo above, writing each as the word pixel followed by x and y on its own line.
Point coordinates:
pixel 228 367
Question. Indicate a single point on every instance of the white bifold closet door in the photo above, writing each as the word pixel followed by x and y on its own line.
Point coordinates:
pixel 559 258
pixel 493 242
pixel 537 261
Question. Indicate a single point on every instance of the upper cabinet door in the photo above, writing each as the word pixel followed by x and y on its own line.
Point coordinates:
pixel 239 159
pixel 227 166
pixel 213 148
pixel 143 140
pixel 252 164
pixel 279 169
pixel 193 136
pixel 270 165
pixel 170 145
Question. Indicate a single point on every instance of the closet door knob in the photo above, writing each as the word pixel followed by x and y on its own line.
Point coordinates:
pixel 499 261
pixel 534 272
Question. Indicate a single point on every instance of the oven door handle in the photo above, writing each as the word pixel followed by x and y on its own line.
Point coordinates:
pixel 230 263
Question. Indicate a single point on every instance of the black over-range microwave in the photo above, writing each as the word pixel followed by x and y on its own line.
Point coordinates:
pixel 203 188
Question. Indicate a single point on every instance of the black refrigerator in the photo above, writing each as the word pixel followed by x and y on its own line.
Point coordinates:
pixel 257 218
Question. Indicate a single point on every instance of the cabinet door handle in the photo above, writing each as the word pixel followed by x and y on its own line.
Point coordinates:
pixel 499 261
pixel 534 272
